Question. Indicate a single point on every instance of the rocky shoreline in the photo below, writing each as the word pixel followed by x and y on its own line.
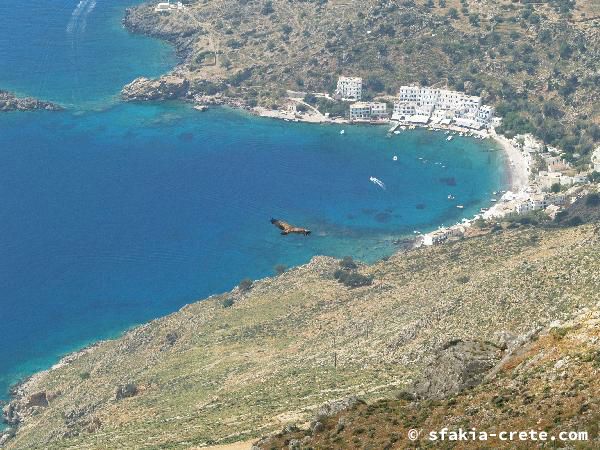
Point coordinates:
pixel 10 102
pixel 91 389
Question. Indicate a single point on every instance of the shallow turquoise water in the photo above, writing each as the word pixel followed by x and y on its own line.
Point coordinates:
pixel 113 214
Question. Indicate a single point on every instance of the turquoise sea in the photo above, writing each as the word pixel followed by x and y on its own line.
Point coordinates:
pixel 112 214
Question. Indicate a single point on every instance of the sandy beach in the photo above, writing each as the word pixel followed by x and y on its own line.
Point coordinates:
pixel 517 164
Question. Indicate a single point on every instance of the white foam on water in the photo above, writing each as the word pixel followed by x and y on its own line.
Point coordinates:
pixel 79 16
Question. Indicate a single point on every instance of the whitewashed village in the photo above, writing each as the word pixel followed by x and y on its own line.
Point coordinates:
pixel 541 179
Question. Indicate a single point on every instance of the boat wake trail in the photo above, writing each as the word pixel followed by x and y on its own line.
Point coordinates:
pixel 79 16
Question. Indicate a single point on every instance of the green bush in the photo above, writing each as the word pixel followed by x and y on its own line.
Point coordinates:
pixel 593 200
pixel 227 303
pixel 348 263
pixel 245 285
pixel 352 279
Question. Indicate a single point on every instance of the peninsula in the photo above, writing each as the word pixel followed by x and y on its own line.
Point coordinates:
pixel 10 102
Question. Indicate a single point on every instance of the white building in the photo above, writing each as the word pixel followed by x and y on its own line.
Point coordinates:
pixel 596 160
pixel 442 235
pixel 485 115
pixel 167 6
pixel 415 102
pixel 368 111
pixel 349 88
pixel 541 201
pixel 555 163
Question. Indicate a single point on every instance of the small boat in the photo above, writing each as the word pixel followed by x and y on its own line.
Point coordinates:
pixel 450 197
pixel 343 132
pixel 396 132
pixel 378 182
pixel 447 132
pixel 495 193
pixel 395 158
pixel 201 108
pixel 449 138
pixel 460 206
pixel 493 200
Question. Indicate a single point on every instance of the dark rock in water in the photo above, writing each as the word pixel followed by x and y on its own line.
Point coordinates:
pixel 383 217
pixel 420 206
pixel 6 436
pixel 10 102
pixel 10 415
pixel 457 366
pixel 186 137
pixel 126 391
pixel 450 181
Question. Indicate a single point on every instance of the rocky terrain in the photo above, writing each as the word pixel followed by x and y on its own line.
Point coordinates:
pixel 246 363
pixel 10 102
pixel 538 62
pixel 549 382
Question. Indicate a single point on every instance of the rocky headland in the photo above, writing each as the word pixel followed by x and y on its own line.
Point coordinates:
pixel 10 102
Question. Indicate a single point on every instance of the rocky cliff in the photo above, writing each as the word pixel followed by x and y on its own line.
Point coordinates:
pixel 245 363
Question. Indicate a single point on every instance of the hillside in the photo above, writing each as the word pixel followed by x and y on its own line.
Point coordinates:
pixel 548 384
pixel 243 364
pixel 538 62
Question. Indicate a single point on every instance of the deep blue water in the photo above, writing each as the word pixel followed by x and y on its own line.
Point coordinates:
pixel 112 214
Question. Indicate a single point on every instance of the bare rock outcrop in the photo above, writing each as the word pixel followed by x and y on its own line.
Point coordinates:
pixel 169 87
pixel 458 365
pixel 10 102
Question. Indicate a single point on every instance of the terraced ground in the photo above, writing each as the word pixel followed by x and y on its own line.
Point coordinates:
pixel 243 364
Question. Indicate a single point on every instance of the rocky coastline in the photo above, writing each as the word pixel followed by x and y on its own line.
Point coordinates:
pixel 393 340
pixel 10 102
